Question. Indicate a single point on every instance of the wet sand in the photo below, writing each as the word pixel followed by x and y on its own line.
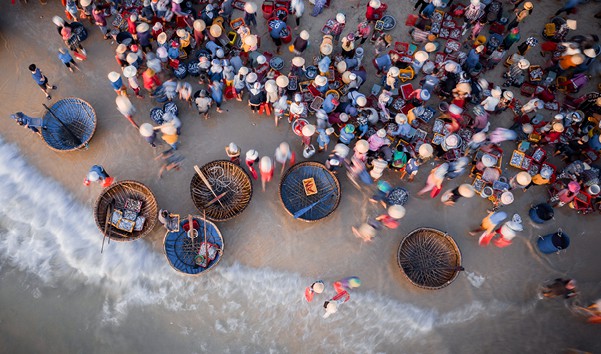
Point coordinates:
pixel 265 236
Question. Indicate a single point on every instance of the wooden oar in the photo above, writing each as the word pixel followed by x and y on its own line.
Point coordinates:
pixel 77 140
pixel 304 210
pixel 107 219
pixel 206 182
pixel 190 227
pixel 204 222
pixel 212 201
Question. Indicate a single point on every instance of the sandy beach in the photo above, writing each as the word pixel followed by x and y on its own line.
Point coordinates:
pixel 128 299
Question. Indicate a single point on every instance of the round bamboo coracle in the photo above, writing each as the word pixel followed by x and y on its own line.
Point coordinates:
pixel 117 194
pixel 231 192
pixel 294 195
pixel 70 124
pixel 429 258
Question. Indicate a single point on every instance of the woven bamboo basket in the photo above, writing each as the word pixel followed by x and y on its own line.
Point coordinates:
pixel 118 193
pixel 77 128
pixel 294 197
pixel 227 180
pixel 429 258
pixel 181 250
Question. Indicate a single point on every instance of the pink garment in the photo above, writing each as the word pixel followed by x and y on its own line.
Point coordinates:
pixel 375 142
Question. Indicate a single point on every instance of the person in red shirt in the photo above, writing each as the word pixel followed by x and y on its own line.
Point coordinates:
pixel 375 10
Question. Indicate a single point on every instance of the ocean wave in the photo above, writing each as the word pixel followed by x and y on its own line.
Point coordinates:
pixel 46 232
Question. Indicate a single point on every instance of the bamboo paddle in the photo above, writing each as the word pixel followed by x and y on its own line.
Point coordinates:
pixel 206 182
pixel 107 219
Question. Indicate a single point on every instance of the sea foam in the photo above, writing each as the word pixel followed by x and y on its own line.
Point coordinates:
pixel 45 231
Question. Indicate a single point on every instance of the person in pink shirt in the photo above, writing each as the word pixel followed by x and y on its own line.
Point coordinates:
pixel 378 140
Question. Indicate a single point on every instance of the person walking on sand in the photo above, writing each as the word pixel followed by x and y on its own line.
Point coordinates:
pixel 488 225
pixel 283 154
pixel 266 168
pixel 67 59
pixel 41 80
pixel 98 174
pixel 130 73
pixel 125 107
pixel 435 179
pixel 252 157
pixel 298 8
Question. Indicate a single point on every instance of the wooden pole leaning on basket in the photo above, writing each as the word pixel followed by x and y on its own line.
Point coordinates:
pixel 206 182
pixel 77 140
pixel 107 220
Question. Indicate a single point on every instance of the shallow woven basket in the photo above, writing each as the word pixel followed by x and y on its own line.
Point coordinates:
pixel 224 177
pixel 427 258
pixel 119 192
pixel 292 192
pixel 80 119
pixel 180 251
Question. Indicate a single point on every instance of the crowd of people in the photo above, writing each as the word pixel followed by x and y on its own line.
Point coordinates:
pixel 431 99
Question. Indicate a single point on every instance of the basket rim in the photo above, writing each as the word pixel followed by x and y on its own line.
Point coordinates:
pixel 152 222
pixel 440 233
pixel 83 143
pixel 207 269
pixel 310 163
pixel 249 197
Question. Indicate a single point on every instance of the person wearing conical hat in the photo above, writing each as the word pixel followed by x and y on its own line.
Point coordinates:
pixel 117 83
pixel 151 80
pixel 184 90
pixel 520 15
pixel 435 180
pixel 348 46
pixel 98 174
pixel 298 9
pixel 266 168
pixel 233 152
pixel 301 42
pixel 390 220
pixel 338 27
pixel 297 108
pixel 131 24
pixel 283 154
pixel 375 10
pixel 323 138
pixel 208 14
pixel 185 40
pixel 203 103
pixel 125 107
pixel 279 108
pixel 379 165
pixel 251 158
pixel 516 74
pixel 250 14
pixel 318 7
pixel 130 73
pixel 450 197
pixel 199 27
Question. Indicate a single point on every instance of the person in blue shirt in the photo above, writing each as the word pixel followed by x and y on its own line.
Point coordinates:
pixel 347 134
pixel 41 80
pixel 277 26
pixel 67 59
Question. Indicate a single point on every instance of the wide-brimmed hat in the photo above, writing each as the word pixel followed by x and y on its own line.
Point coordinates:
pixel 523 64
pixel 592 52
pixel 450 67
pixel 215 30
pixel 282 81
pixel 131 58
pixel 430 47
pixel 452 141
pixel 396 211
pixel 523 178
pixel 243 70
pixel 341 66
pixel 232 149
pixel 250 7
pixel 265 163
pixel 121 48
pixel 340 18
pixel 329 131
pixel 146 130
pixel 304 35
pixel 251 78
pixel 361 101
pixel 308 130
pixel 341 150
pixel 157 26
pixel 130 71
pixel 250 40
pixel 381 133
pixel 488 160
pixel 496 93
pixel 466 190
pixel 506 198
pixel 199 25
pixel 181 33
pixel 528 5
pixel 343 117
pixel 93 176
pixel 362 146
pixel 270 86
pixel 424 95
pixel 142 27
pixel 577 59
pixel 298 97
pixel 85 2
pixel 261 60
pixel 558 127
pixel 252 154
pixel 59 21
pixel 114 76
pixel 162 38
pixel 321 80
pixel 318 287
pixel 425 150
pixel 400 118
pixel 375 4
pixel 475 2
pixel 527 128
pixel 572 24
pixel 298 61
pixel 508 95
pixel 479 49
